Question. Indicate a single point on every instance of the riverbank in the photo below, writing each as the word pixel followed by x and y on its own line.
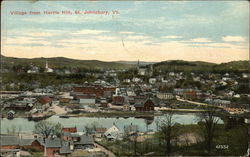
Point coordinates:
pixel 122 114
pixel 144 123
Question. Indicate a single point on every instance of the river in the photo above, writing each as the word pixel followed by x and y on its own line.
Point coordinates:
pixel 24 125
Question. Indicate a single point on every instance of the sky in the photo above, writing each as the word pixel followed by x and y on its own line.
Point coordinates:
pixel 211 31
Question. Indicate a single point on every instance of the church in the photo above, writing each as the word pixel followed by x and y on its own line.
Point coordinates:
pixel 47 69
pixel 144 71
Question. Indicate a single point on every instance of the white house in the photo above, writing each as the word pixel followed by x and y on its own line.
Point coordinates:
pixel 33 70
pixel 152 80
pixel 112 133
pixel 142 71
pixel 135 79
pixel 166 96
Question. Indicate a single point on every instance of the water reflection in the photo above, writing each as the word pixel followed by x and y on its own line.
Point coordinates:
pixel 144 124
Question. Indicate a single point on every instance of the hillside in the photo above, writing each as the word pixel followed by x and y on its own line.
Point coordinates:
pixel 173 65
pixel 60 62
pixel 179 65
pixel 234 65
pixel 136 62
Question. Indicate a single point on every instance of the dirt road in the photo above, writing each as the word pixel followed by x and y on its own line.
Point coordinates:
pixel 109 153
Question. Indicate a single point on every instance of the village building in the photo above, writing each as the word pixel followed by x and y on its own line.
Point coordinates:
pixel 143 71
pixel 126 104
pixel 152 80
pixel 118 100
pixel 99 132
pixel 47 69
pixel 43 103
pixel 84 102
pixel 33 70
pixel 83 141
pixel 165 96
pixel 46 100
pixel 78 141
pixel 10 114
pixel 113 133
pixel 55 146
pixel 64 100
pixel 144 105
pixel 96 91
pixel 71 130
pixel 10 142
pixel 16 105
pixel 126 107
pixel 103 102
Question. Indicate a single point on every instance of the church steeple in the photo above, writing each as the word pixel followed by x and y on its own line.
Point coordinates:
pixel 138 65
pixel 46 65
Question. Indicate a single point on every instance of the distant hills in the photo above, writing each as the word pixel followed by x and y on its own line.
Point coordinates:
pixel 136 62
pixel 61 62
pixel 179 65
pixel 173 65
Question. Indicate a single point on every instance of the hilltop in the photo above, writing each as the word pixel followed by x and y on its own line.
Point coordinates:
pixel 61 62
pixel 172 65
pixel 180 65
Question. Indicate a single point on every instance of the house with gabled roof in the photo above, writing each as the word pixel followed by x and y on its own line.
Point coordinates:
pixel 43 103
pixel 118 100
pixel 143 105
pixel 45 100
pixel 78 141
pixel 69 129
pixel 9 142
pixel 99 132
pixel 14 142
pixel 55 146
pixel 112 133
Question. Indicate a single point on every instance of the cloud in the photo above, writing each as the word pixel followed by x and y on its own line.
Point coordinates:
pixel 127 32
pixel 233 38
pixel 23 40
pixel 108 50
pixel 89 31
pixel 200 40
pixel 172 37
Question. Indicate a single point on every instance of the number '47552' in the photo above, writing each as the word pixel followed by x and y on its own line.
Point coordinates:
pixel 220 146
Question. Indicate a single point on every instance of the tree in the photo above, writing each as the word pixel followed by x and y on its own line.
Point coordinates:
pixel 208 124
pixel 158 135
pixel 166 128
pixel 47 129
pixel 135 141
pixel 90 128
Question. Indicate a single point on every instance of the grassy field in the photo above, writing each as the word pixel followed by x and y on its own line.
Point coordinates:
pixel 235 140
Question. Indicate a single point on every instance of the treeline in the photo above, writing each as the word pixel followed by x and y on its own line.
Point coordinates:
pixel 185 66
pixel 45 79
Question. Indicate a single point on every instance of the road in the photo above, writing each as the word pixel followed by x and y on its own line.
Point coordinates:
pixel 109 153
pixel 197 103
